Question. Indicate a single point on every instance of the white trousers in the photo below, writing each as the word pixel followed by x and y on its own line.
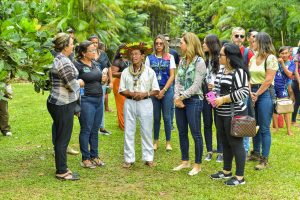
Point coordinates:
pixel 143 111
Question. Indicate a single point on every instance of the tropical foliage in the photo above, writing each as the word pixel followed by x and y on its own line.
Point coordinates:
pixel 28 26
pixel 281 19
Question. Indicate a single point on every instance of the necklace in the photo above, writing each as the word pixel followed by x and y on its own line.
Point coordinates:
pixel 136 75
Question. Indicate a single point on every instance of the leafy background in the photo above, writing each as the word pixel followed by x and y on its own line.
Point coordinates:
pixel 28 26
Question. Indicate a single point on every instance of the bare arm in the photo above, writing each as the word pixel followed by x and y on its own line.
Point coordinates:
pixel 285 68
pixel 168 84
pixel 270 75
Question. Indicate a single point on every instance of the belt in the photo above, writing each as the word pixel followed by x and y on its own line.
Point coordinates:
pixel 134 99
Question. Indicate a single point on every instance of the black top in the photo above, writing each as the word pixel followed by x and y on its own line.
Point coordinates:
pixel 91 77
pixel 175 54
pixel 121 64
pixel 103 61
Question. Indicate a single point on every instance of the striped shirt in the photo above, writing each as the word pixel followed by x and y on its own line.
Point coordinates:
pixel 64 83
pixel 240 91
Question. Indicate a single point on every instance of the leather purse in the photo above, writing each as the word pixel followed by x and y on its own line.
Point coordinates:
pixel 283 106
pixel 242 126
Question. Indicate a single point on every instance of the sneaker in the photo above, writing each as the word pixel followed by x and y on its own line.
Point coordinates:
pixel 7 134
pixel 219 157
pixel 208 156
pixel 234 182
pixel 72 151
pixel 87 164
pixel 254 156
pixel 263 163
pixel 97 162
pixel 102 131
pixel 220 175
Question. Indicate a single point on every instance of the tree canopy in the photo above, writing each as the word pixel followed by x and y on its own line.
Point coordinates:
pixel 28 26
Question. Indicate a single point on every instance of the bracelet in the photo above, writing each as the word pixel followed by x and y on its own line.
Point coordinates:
pixel 165 89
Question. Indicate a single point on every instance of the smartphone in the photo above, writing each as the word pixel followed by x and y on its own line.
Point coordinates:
pixel 211 98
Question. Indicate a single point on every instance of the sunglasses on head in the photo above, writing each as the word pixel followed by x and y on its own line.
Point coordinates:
pixel 239 36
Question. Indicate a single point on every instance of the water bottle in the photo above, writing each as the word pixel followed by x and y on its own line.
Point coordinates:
pixel 81 91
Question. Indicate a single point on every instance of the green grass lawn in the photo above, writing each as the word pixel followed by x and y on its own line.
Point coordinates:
pixel 27 164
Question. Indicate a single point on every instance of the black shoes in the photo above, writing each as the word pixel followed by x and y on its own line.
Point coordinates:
pixel 220 175
pixel 234 182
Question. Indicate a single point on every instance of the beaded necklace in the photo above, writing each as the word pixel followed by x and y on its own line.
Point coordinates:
pixel 136 75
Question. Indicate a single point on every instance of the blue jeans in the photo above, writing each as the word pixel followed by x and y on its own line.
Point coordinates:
pixel 190 116
pixel 263 114
pixel 90 119
pixel 246 140
pixel 208 120
pixel 163 105
pixel 297 99
pixel 103 98
pixel 173 107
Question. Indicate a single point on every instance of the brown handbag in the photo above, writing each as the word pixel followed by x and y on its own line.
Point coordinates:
pixel 242 126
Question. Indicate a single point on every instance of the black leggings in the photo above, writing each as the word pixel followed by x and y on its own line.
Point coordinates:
pixel 232 146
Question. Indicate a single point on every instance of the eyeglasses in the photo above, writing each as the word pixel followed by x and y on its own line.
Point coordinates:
pixel 221 55
pixel 239 36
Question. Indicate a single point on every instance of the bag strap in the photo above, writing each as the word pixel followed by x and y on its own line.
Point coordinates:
pixel 245 57
pixel 231 89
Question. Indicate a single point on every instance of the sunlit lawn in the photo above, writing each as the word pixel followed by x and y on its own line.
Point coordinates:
pixel 27 164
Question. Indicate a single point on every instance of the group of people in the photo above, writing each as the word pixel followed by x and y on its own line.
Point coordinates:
pixel 147 86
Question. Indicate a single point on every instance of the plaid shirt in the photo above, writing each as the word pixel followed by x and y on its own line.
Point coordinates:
pixel 64 83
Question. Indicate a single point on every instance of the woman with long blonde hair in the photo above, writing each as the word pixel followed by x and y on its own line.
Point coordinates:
pixel 164 66
pixel 188 100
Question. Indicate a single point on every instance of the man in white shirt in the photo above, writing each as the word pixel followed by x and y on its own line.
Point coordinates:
pixel 137 84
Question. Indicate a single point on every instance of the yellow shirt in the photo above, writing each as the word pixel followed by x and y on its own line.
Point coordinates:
pixel 257 72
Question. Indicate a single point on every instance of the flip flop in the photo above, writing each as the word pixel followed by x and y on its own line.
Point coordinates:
pixel 68 176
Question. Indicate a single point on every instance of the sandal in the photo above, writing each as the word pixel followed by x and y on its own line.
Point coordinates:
pixel 88 164
pixel 67 176
pixel 97 162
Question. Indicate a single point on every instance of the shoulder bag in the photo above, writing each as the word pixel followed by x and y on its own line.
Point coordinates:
pixel 242 126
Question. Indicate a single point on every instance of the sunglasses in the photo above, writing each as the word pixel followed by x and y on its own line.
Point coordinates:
pixel 239 36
